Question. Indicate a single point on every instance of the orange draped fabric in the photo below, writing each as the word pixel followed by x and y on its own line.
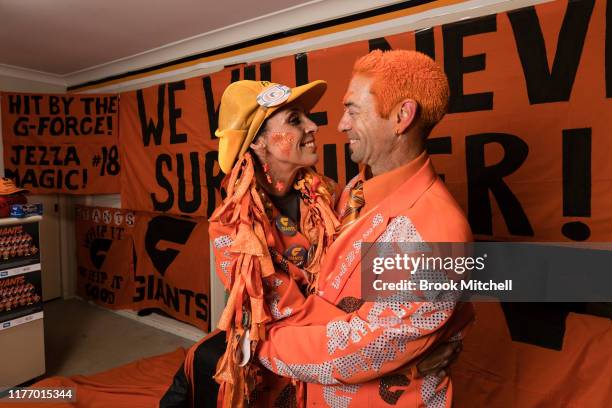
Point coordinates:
pixel 495 372
pixel 139 384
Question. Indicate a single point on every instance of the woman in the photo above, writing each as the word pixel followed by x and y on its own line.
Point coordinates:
pixel 271 231
pixel 269 234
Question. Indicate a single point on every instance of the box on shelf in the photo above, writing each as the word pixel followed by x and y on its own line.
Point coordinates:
pixel 26 210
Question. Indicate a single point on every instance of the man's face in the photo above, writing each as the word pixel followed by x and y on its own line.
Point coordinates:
pixel 370 136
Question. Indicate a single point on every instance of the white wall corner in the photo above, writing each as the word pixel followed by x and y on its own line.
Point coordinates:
pixel 32 75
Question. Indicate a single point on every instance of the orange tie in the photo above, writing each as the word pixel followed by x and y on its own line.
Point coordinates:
pixel 353 206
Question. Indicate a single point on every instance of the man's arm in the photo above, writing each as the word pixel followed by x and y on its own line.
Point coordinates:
pixel 356 347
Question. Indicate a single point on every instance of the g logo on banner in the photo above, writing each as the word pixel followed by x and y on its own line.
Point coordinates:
pixel 164 235
pixel 98 250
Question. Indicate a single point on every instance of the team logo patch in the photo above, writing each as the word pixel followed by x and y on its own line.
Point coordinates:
pixel 273 96
pixel 286 226
pixel 296 254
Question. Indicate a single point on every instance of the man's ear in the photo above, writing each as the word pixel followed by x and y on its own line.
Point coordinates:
pixel 406 114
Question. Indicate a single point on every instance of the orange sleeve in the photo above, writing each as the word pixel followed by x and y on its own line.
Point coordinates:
pixel 221 238
pixel 282 293
pixel 356 347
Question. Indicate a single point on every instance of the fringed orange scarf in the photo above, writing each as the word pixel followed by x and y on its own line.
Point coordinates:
pixel 318 222
pixel 244 211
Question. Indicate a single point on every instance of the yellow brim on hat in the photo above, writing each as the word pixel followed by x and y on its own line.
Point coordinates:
pixel 230 143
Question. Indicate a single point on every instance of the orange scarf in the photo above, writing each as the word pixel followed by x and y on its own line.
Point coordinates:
pixel 318 221
pixel 244 211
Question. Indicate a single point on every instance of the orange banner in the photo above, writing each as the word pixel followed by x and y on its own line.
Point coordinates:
pixel 523 148
pixel 61 143
pixel 172 267
pixel 530 355
pixel 104 255
pixel 137 261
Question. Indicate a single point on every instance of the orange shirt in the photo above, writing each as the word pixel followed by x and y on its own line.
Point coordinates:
pixel 375 189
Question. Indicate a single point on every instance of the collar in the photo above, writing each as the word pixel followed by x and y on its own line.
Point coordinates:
pixel 379 187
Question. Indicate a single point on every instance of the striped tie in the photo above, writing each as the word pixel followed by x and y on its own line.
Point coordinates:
pixel 353 206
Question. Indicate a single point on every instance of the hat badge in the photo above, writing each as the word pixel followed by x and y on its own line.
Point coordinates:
pixel 273 96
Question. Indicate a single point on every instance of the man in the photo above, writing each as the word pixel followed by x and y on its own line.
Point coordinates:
pixel 352 353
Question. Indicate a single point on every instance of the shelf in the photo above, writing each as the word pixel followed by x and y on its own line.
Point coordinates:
pixel 21 320
pixel 11 221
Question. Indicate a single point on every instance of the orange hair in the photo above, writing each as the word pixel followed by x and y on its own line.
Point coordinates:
pixel 403 74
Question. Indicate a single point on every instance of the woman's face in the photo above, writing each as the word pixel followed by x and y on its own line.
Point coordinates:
pixel 289 138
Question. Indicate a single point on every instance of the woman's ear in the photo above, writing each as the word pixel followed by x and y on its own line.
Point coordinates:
pixel 259 147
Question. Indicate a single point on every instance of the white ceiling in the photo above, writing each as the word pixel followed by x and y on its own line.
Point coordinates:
pixel 64 36
pixel 71 42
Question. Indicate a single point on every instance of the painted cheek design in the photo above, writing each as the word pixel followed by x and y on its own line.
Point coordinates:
pixel 284 141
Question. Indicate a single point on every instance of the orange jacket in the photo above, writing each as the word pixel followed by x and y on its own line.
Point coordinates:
pixel 354 353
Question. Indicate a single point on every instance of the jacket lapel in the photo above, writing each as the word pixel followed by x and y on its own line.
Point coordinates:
pixel 344 256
